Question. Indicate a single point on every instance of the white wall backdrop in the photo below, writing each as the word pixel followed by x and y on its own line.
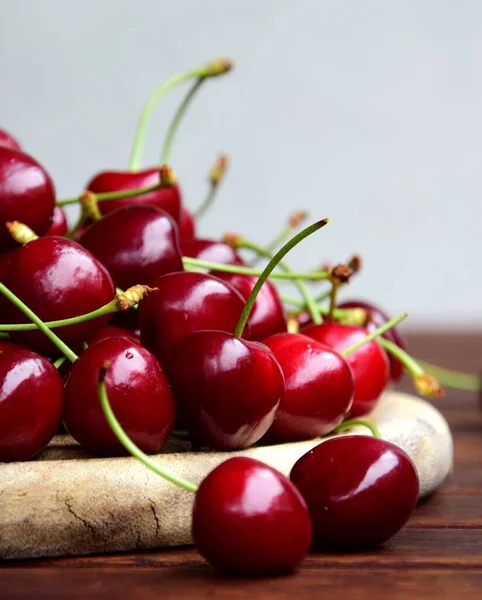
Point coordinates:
pixel 368 112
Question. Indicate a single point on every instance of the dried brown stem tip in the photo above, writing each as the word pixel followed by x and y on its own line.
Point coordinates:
pixel 340 274
pixel 132 296
pixel 90 207
pixel 232 239
pixel 219 66
pixel 355 263
pixel 428 386
pixel 167 176
pixel 297 218
pixel 21 233
pixel 219 169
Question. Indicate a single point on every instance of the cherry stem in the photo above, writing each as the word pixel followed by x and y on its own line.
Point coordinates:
pixel 301 285
pixel 73 230
pixel 273 263
pixel 294 222
pixel 425 384
pixel 114 195
pixel 4 336
pixel 40 324
pixel 174 126
pixel 59 362
pixel 371 336
pixel 453 379
pixel 333 295
pixel 212 69
pixel 203 264
pixel 129 445
pixel 216 175
pixel 354 422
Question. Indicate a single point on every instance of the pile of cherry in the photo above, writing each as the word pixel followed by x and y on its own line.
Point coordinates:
pixel 127 328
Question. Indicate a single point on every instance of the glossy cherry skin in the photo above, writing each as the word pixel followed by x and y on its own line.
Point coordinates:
pixel 136 244
pixel 319 388
pixel 5 258
pixel 211 251
pixel 138 393
pixel 57 279
pixel 30 403
pixel 360 490
pixel 376 318
pixel 27 194
pixel 227 390
pixel 184 303
pixel 168 199
pixel 267 316
pixel 187 226
pixel 370 366
pixel 110 331
pixel 249 519
pixel 59 224
pixel 8 141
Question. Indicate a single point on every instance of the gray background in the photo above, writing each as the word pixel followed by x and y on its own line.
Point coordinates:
pixel 368 112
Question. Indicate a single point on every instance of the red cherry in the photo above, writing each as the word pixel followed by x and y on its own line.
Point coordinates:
pixel 138 392
pixel 59 224
pixel 186 302
pixel 369 363
pixel 27 194
pixel 110 331
pixel 211 251
pixel 5 258
pixel 250 520
pixel 30 403
pixel 168 198
pixel 8 141
pixel 136 244
pixel 360 490
pixel 57 279
pixel 227 390
pixel 318 391
pixel 187 226
pixel 267 316
pixel 376 318
pixel 8 345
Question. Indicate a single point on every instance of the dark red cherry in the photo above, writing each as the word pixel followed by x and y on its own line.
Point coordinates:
pixel 59 224
pixel 136 244
pixel 318 391
pixel 109 331
pixel 227 390
pixel 248 519
pixel 57 279
pixel 5 258
pixel 30 403
pixel 168 199
pixel 27 194
pixel 8 345
pixel 369 363
pixel 376 318
pixel 138 393
pixel 267 316
pixel 211 251
pixel 186 302
pixel 360 490
pixel 187 226
pixel 8 141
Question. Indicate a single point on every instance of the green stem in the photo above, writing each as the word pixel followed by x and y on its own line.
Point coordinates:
pixel 114 195
pixel 207 202
pixel 40 324
pixel 129 445
pixel 378 332
pixel 454 379
pixel 353 422
pixel 273 263
pixel 173 127
pixel 59 362
pixel 4 335
pixel 80 221
pixel 203 264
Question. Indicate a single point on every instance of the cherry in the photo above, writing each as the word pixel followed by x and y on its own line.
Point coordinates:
pixel 318 391
pixel 110 331
pixel 211 251
pixel 57 279
pixel 138 390
pixel 8 141
pixel 59 224
pixel 187 226
pixel 268 316
pixel 5 258
pixel 30 403
pixel 369 363
pixel 135 243
pixel 249 519
pixel 376 318
pixel 27 194
pixel 360 490
pixel 183 303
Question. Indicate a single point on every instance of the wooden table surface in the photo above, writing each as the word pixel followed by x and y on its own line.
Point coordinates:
pixel 437 555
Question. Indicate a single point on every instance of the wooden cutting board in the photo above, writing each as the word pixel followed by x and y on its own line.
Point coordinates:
pixel 67 503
